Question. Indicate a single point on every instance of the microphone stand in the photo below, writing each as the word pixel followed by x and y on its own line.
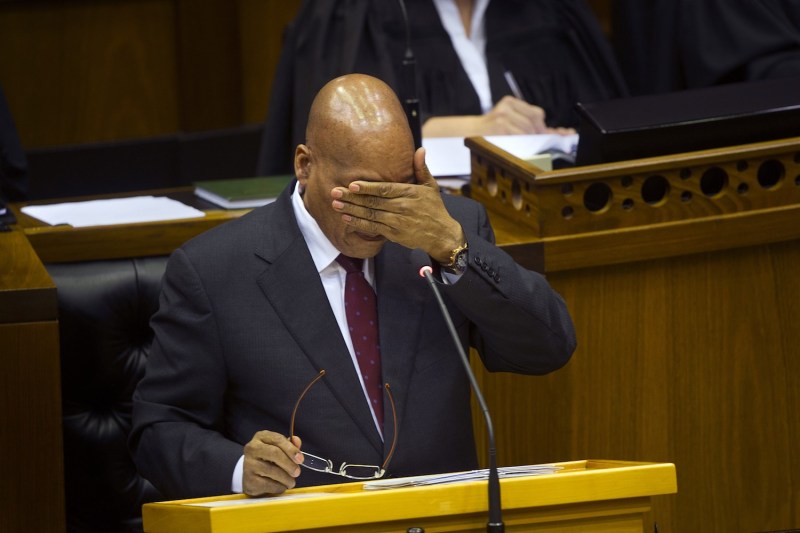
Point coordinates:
pixel 409 84
pixel 495 524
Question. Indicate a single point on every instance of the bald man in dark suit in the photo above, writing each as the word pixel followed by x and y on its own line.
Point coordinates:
pixel 252 312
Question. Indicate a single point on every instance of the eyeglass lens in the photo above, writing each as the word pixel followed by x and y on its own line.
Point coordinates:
pixel 320 464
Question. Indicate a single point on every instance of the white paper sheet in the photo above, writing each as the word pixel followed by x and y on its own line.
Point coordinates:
pixel 448 157
pixel 470 475
pixel 112 211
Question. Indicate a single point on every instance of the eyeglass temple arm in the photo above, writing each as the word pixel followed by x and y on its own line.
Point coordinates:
pixel 394 435
pixel 302 395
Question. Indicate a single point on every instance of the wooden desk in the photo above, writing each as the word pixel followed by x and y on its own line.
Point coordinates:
pixel 596 496
pixel 31 461
pixel 686 316
pixel 59 244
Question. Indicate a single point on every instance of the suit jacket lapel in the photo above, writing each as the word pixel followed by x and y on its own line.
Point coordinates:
pixel 291 283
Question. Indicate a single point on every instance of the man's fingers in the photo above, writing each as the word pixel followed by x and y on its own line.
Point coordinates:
pixel 265 478
pixel 296 441
pixel 368 214
pixel 271 463
pixel 411 214
pixel 274 449
pixel 270 470
pixel 273 455
pixel 421 172
pixel 281 442
pixel 374 190
pixel 370 196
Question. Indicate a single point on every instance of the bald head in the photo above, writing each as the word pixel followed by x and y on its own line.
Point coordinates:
pixel 357 131
pixel 354 113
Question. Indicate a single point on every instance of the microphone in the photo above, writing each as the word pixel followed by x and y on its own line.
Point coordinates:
pixel 409 83
pixel 495 524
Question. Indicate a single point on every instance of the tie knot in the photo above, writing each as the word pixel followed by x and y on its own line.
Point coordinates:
pixel 350 264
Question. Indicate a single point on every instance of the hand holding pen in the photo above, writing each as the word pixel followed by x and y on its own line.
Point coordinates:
pixel 537 116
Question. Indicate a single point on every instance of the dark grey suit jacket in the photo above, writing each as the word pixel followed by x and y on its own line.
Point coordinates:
pixel 244 325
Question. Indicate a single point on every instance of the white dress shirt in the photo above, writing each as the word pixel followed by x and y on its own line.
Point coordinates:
pixel 471 50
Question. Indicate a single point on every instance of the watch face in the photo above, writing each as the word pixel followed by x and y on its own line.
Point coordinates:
pixel 461 260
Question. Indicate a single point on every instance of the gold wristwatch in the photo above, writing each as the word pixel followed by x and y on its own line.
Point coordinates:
pixel 458 260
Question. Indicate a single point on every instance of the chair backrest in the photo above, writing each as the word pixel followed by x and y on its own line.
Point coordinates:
pixel 105 337
pixel 141 164
pixel 103 168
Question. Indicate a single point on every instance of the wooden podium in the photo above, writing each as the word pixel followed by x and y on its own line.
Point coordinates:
pixel 681 275
pixel 596 496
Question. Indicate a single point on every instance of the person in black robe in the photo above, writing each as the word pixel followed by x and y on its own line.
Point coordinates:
pixel 672 45
pixel 554 49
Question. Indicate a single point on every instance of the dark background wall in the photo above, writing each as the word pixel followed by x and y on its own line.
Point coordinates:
pixel 81 71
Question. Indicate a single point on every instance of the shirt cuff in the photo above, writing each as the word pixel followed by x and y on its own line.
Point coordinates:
pixel 450 278
pixel 238 472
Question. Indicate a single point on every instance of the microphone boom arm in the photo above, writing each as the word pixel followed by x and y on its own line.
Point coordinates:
pixel 409 83
pixel 495 524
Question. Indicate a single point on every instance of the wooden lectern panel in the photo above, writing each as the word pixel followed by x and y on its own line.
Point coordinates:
pixel 642 192
pixel 586 496
pixel 31 461
pixel 688 345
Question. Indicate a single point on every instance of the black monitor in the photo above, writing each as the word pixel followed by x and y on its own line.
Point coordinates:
pixel 697 119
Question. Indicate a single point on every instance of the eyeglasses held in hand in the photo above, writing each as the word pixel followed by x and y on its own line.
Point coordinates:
pixel 351 471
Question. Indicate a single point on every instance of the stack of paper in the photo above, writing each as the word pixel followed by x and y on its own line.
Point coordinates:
pixel 113 211
pixel 453 477
pixel 448 157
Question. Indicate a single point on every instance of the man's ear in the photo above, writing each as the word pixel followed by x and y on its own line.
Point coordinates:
pixel 302 164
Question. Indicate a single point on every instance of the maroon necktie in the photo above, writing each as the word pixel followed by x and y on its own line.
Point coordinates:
pixel 361 309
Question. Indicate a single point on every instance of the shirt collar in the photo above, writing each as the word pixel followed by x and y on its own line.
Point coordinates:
pixel 323 252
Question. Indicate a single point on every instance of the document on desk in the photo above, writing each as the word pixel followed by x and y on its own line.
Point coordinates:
pixel 415 481
pixel 454 477
pixel 112 211
pixel 447 157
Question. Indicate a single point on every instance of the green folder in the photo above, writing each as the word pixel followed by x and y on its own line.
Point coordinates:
pixel 242 193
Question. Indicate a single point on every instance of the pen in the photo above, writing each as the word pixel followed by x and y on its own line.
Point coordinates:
pixel 512 83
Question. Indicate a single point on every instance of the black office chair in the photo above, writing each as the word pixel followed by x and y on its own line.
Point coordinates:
pixel 104 312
